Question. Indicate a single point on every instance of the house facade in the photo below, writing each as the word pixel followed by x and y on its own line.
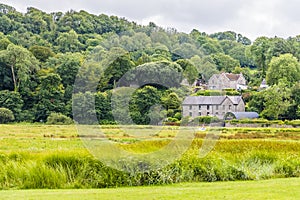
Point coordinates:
pixel 218 106
pixel 227 81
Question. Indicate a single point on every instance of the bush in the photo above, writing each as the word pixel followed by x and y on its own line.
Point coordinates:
pixel 171 119
pixel 178 116
pixel 6 116
pixel 205 120
pixel 59 119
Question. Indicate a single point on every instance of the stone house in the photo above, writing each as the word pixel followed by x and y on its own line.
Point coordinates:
pixel 227 81
pixel 218 106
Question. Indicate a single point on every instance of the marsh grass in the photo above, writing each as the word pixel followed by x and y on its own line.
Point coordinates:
pixel 29 160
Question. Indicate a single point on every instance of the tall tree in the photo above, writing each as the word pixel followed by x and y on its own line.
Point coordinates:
pixel 21 63
pixel 259 50
pixel 283 68
pixel 277 101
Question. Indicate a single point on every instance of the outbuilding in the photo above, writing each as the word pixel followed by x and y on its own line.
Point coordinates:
pixel 241 115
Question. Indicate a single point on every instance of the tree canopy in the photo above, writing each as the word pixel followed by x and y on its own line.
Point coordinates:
pixel 42 56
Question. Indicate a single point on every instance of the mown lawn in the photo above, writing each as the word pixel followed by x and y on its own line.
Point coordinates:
pixel 267 189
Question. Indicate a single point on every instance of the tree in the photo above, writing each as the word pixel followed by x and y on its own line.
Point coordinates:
pixel 142 100
pixel 67 66
pixel 103 106
pixel 242 54
pixel 259 51
pixel 191 74
pixel 283 68
pixel 225 62
pixel 12 101
pixel 4 42
pixel 294 109
pixel 159 74
pixel 209 45
pixel 84 108
pixel 41 53
pixel 115 71
pixel 50 97
pixel 190 71
pixel 21 62
pixel 68 42
pixel 205 66
pixel 277 101
pixel 172 101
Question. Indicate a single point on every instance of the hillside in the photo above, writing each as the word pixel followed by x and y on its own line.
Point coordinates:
pixel 41 54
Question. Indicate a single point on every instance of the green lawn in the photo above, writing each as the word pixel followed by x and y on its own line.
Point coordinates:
pixel 268 189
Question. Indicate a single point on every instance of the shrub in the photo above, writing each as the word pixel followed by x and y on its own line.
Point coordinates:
pixel 59 119
pixel 205 120
pixel 171 119
pixel 6 116
pixel 178 116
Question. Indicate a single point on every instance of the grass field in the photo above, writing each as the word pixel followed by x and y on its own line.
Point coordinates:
pixel 267 189
pixel 55 157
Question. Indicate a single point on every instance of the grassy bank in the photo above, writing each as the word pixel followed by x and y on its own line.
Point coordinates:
pixel 267 189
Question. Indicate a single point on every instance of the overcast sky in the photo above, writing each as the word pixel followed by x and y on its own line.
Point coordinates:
pixel 251 18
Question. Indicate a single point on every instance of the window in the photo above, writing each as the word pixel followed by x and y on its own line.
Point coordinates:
pixel 191 107
pixel 217 113
pixel 217 107
pixel 191 114
pixel 200 113
pixel 208 113
pixel 199 107
pixel 223 107
pixel 207 107
pixel 229 107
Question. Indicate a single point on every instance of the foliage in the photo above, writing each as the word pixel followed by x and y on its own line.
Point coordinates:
pixel 21 62
pixel 283 68
pixel 276 101
pixel 205 120
pixel 59 119
pixel 12 101
pixel 112 52
pixel 6 116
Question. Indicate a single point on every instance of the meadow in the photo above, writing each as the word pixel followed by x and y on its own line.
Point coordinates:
pixel 266 189
pixel 55 157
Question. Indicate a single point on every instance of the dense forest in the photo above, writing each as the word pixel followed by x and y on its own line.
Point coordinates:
pixel 41 54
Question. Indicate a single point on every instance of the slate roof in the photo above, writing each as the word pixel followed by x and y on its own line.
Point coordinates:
pixel 210 100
